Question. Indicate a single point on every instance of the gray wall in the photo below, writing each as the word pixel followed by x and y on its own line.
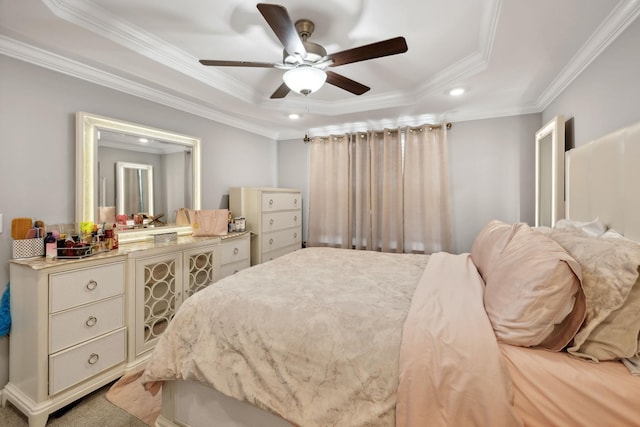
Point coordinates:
pixel 606 95
pixel 37 140
pixel 492 168
pixel 491 165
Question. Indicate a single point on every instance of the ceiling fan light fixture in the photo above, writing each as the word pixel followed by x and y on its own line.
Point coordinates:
pixel 304 79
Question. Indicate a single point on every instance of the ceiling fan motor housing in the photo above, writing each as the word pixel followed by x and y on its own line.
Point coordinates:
pixel 315 52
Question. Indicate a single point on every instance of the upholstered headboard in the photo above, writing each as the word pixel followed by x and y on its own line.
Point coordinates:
pixel 603 181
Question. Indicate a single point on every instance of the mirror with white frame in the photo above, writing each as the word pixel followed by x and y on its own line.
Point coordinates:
pixel 174 158
pixel 549 179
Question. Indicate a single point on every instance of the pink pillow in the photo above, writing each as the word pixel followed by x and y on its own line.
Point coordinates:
pixel 489 244
pixel 533 294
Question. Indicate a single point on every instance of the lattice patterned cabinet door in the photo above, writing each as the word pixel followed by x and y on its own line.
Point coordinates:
pixel 158 291
pixel 202 269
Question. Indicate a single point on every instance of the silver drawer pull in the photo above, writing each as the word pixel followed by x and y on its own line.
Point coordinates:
pixel 295 218
pixel 92 285
pixel 235 251
pixel 93 359
pixel 91 321
pixel 271 221
pixel 270 202
pixel 295 235
pixel 271 241
pixel 295 201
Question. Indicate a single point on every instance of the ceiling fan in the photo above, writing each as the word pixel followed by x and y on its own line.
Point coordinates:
pixel 306 61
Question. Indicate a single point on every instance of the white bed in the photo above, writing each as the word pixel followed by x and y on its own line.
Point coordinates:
pixel 601 178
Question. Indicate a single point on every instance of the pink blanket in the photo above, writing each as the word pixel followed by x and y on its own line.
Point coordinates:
pixel 451 370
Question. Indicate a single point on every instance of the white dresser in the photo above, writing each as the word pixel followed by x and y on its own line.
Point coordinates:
pixel 80 324
pixel 235 253
pixel 274 217
pixel 68 334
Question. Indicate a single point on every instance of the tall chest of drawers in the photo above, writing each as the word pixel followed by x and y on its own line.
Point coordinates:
pixel 274 217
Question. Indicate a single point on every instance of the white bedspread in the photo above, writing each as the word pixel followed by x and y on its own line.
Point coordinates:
pixel 315 347
pixel 322 348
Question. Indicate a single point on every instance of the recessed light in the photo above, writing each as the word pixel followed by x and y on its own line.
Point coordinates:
pixel 143 140
pixel 456 92
pixel 294 116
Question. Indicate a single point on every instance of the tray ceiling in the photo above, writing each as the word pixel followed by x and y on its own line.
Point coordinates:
pixel 510 57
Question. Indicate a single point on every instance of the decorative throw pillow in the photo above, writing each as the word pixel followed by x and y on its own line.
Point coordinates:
pixel 610 282
pixel 489 244
pixel 533 295
pixel 616 337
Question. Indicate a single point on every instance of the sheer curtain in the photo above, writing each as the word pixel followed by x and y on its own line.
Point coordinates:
pixel 368 191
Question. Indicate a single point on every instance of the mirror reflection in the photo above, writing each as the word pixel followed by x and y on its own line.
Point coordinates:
pixel 544 182
pixel 549 181
pixel 134 188
pixel 117 162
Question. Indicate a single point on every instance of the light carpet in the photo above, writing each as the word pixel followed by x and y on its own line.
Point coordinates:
pixel 128 394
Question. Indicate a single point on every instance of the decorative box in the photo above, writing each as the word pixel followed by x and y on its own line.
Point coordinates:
pixel 165 237
pixel 28 248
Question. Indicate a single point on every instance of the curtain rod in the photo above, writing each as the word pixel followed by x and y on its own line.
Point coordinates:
pixel 447 125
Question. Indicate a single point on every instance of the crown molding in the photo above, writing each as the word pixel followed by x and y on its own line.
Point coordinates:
pixel 472 64
pixel 617 21
pixel 92 17
pixel 58 63
pixel 98 20
pixel 454 116
pixel 83 11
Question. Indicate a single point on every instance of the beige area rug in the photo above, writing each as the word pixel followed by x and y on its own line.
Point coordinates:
pixel 128 393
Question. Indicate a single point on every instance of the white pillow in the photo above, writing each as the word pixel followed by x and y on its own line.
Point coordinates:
pixel 612 234
pixel 592 228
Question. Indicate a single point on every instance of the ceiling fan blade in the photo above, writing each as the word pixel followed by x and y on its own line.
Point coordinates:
pixel 369 51
pixel 346 83
pixel 278 19
pixel 281 92
pixel 215 63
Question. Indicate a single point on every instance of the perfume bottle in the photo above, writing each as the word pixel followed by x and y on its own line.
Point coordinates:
pixel 50 246
pixel 115 236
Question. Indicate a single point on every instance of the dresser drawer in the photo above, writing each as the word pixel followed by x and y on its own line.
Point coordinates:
pixel 280 201
pixel 232 250
pixel 85 285
pixel 83 361
pixel 71 327
pixel 268 256
pixel 274 221
pixel 280 239
pixel 234 267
